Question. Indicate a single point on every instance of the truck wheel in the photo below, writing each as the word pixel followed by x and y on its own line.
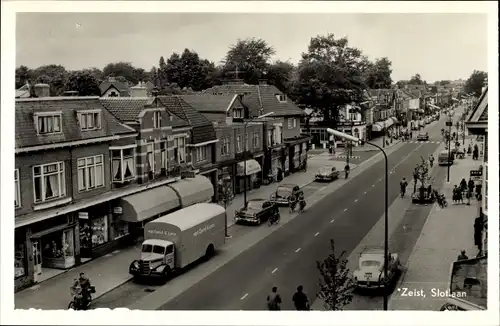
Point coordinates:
pixel 165 275
pixel 210 252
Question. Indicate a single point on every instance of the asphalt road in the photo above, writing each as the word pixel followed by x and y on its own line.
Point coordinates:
pixel 288 257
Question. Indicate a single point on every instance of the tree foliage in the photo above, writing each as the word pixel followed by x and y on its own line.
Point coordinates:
pixel 124 70
pixel 416 80
pixel 282 74
pixel 336 285
pixel 477 80
pixel 84 82
pixel 250 57
pixel 378 74
pixel 330 76
pixel 422 172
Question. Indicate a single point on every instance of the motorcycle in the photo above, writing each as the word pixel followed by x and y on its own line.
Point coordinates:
pixel 80 302
pixel 274 219
pixel 441 199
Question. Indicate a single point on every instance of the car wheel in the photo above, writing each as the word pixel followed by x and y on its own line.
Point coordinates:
pixel 259 221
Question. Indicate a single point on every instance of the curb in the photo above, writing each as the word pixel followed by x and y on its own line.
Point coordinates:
pixel 112 288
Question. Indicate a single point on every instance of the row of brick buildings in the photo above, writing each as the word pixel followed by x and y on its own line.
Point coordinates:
pixel 90 171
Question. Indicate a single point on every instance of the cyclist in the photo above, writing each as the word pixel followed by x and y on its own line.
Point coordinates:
pixel 431 160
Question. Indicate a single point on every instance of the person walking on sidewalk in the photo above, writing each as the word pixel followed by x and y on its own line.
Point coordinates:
pixel 347 169
pixel 470 185
pixel 274 300
pixel 478 234
pixel 300 299
pixel 403 184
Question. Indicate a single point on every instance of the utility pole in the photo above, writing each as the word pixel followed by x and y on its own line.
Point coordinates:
pixel 449 123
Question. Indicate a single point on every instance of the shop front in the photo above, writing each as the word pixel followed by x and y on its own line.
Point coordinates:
pixel 198 189
pixel 22 275
pixel 138 209
pixel 252 169
pixel 53 245
pixel 94 231
pixel 303 154
pixel 227 172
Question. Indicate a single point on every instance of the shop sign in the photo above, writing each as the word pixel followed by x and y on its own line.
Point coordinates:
pixel 188 174
pixel 476 175
pixel 83 215
pixel 118 210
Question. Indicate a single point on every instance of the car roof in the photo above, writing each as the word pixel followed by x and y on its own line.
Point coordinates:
pixel 287 185
pixel 257 200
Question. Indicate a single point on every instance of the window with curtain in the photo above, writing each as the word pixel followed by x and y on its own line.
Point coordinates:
pixel 238 144
pixel 123 164
pixel 49 123
pixel 89 120
pixel 49 181
pixel 256 140
pixel 164 158
pixel 90 172
pixel 201 153
pixel 150 158
pixel 180 149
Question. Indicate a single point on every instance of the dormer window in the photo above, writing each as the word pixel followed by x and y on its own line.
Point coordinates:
pixel 89 120
pixel 48 122
pixel 281 98
pixel 157 119
pixel 238 113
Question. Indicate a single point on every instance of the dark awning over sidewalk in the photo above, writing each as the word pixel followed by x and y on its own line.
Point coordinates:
pixel 146 204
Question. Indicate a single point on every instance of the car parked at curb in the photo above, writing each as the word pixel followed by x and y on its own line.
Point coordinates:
pixel 423 136
pixel 284 192
pixel 257 211
pixel 370 272
pixel 327 173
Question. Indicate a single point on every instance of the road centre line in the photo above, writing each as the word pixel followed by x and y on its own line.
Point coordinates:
pixel 355 200
pixel 298 249
pixel 365 193
pixel 316 234
pixel 244 296
pixel 274 270
pixel 332 221
pixel 345 209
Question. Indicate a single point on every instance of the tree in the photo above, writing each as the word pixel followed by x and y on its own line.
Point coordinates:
pixel 329 77
pixel 23 75
pixel 378 74
pixel 250 57
pixel 476 82
pixel 121 69
pixel 336 285
pixel 162 73
pixel 226 195
pixel 188 70
pixel 53 75
pixel 281 74
pixel 402 83
pixel 421 173
pixel 84 82
pixel 416 80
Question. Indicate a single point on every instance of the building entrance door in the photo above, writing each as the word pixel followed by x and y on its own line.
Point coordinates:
pixel 37 259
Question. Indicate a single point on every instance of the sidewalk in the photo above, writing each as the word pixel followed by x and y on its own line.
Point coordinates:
pixel 446 232
pixel 108 272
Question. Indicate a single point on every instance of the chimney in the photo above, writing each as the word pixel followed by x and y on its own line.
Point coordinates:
pixel 111 79
pixel 138 91
pixel 42 90
pixel 229 120
pixel 262 81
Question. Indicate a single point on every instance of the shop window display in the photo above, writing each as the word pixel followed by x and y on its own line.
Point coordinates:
pixel 120 227
pixel 99 231
pixel 19 260
pixel 58 244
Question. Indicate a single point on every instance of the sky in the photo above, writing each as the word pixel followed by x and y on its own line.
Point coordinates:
pixel 437 46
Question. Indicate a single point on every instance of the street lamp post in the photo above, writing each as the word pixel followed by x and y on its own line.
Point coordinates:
pixel 386 206
pixel 450 123
pixel 245 141
pixel 383 135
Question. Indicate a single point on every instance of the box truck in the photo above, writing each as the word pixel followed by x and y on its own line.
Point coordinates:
pixel 178 239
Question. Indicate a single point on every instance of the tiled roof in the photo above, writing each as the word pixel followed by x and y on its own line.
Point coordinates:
pixel 26 133
pixel 121 87
pixel 23 91
pixel 208 102
pixel 126 108
pixel 202 128
pixel 258 97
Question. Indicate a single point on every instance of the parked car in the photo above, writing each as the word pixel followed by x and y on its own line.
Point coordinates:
pixel 423 136
pixel 283 193
pixel 444 159
pixel 370 271
pixel 327 173
pixel 257 210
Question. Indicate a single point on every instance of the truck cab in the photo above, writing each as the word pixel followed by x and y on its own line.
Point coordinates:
pixel 155 256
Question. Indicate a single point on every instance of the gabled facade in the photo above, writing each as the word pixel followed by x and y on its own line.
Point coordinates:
pixel 263 98
pixel 384 111
pixel 113 88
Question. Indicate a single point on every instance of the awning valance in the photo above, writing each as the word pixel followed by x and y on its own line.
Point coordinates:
pixel 377 126
pixel 395 120
pixel 252 166
pixel 387 123
pixel 143 205
pixel 193 190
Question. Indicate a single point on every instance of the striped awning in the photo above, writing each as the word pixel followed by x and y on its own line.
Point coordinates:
pixel 377 126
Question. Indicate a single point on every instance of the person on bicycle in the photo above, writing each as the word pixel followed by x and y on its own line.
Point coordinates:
pixel 431 159
pixel 301 201
pixel 292 202
pixel 403 184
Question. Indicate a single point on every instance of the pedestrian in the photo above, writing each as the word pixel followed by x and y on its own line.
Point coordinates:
pixel 274 300
pixel 415 178
pixel 462 256
pixel 347 169
pixel 455 194
pixel 468 195
pixel 463 185
pixel 300 299
pixel 478 233
pixel 475 152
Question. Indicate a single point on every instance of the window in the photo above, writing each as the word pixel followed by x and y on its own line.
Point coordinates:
pixel 238 144
pixel 113 94
pixel 17 196
pixel 353 116
pixel 150 162
pixel 292 123
pixel 201 153
pixel 246 141
pixel 157 119
pixel 255 140
pixel 281 97
pixel 90 173
pixel 180 149
pixel 238 113
pixel 270 138
pixel 123 161
pixel 49 181
pixel 485 169
pixel 277 135
pixel 163 151
pixel 19 259
pixel 49 123
pixel 224 149
pixel 89 120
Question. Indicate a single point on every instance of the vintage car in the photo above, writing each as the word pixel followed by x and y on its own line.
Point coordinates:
pixel 370 271
pixel 257 210
pixel 423 136
pixel 446 158
pixel 327 173
pixel 283 193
